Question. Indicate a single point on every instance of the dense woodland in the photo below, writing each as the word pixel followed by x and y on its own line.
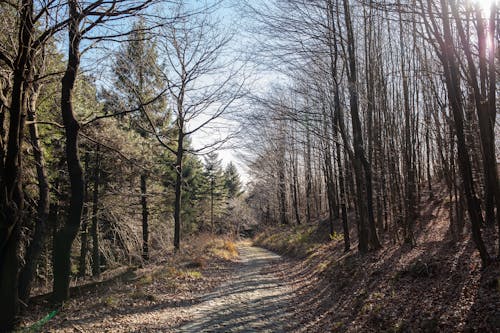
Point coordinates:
pixel 113 115
pixel 386 103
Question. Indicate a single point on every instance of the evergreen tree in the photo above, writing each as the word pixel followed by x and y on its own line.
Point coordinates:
pixel 140 87
pixel 215 187
pixel 232 182
pixel 193 194
pixel 139 84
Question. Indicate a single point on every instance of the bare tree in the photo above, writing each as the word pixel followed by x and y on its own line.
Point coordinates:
pixel 204 83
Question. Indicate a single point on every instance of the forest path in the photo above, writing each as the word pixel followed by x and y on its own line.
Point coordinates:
pixel 255 299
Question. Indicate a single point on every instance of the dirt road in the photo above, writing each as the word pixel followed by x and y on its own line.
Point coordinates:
pixel 254 300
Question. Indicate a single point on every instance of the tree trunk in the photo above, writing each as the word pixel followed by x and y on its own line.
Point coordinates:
pixel 281 177
pixel 84 246
pixel 11 194
pixel 368 238
pixel 328 172
pixel 96 257
pixel 37 243
pixel 145 213
pixel 342 198
pixel 212 185
pixel 282 195
pixel 452 76
pixel 295 180
pixel 408 161
pixel 485 108
pixel 178 187
pixel 337 120
pixel 308 172
pixel 68 232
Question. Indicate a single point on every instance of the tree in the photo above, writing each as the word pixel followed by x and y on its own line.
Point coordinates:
pixel 203 86
pixel 11 194
pixel 232 182
pixel 90 16
pixel 450 64
pixel 216 189
pixel 368 233
pixel 446 113
pixel 138 82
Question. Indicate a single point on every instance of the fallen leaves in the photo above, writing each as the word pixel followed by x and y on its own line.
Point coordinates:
pixel 146 299
pixel 435 286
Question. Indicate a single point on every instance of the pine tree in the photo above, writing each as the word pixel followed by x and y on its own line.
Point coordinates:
pixel 232 181
pixel 139 84
pixel 215 186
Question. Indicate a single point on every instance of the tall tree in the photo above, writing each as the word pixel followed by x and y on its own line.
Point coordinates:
pixel 445 43
pixel 139 83
pixel 368 233
pixel 11 193
pixel 193 48
pixel 81 21
pixel 216 188
pixel 232 181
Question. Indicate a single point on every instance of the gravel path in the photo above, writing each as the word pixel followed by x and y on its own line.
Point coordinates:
pixel 254 300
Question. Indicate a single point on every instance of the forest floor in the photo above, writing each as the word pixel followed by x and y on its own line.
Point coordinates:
pixel 211 288
pixel 215 285
pixel 438 285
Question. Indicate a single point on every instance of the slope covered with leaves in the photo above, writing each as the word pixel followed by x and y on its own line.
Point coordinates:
pixel 436 286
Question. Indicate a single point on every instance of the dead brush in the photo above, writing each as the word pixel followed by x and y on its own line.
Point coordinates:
pixel 419 270
pixel 222 248
pixel 230 247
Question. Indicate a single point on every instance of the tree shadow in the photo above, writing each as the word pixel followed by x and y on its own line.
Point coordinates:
pixel 430 287
pixel 94 286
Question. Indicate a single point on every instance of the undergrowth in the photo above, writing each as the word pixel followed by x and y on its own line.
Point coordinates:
pixel 298 241
pixel 189 264
pixel 222 248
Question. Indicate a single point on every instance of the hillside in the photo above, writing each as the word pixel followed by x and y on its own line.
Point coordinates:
pixel 436 286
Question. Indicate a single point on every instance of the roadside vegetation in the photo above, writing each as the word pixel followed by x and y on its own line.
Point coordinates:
pixel 116 301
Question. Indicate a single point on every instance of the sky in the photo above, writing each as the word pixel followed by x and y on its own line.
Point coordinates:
pixel 230 18
pixel 98 63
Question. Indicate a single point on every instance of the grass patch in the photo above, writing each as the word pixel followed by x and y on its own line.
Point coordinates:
pixel 145 280
pixel 169 273
pixel 323 266
pixel 110 301
pixel 298 241
pixel 336 236
pixel 166 273
pixel 222 248
pixel 197 263
pixel 140 294
pixel 195 275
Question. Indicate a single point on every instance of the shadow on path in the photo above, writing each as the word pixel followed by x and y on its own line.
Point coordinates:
pixel 255 300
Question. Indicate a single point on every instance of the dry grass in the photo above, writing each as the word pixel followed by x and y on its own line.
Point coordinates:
pixel 297 241
pixel 223 249
pixel 125 300
pixel 189 263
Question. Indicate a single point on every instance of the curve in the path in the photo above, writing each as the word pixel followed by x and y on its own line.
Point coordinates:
pixel 255 300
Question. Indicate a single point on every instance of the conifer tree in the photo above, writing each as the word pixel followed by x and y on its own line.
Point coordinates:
pixel 140 86
pixel 232 181
pixel 216 186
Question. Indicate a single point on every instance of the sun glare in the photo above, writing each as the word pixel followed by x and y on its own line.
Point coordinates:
pixel 485 5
